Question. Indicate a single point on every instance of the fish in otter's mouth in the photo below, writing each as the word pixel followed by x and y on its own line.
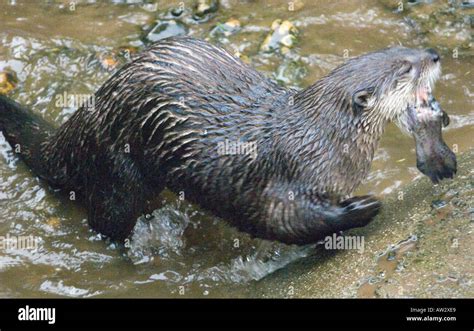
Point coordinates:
pixel 424 119
pixel 433 156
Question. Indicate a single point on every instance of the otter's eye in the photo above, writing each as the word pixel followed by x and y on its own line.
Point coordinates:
pixel 406 68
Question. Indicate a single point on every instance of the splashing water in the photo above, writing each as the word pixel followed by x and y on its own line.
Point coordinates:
pixel 166 236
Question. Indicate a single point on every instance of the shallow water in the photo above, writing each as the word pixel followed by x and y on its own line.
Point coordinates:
pixel 178 250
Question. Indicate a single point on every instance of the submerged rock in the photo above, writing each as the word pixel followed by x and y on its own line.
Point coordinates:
pixel 178 11
pixel 243 57
pixel 108 61
pixel 204 8
pixel 445 24
pixel 165 29
pixel 283 37
pixel 291 72
pixel 8 81
pixel 438 204
pixel 467 3
pixel 226 29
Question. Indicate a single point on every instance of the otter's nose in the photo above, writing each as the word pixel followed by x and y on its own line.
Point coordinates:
pixel 433 54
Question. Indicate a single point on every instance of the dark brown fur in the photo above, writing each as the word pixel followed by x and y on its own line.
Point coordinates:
pixel 159 122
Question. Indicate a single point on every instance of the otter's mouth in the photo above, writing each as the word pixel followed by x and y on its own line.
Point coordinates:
pixel 425 120
pixel 423 94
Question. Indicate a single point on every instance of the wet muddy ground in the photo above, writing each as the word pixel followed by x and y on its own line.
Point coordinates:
pixel 52 50
pixel 420 246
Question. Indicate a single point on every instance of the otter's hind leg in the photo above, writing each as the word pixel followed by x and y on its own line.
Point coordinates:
pixel 306 218
pixel 115 199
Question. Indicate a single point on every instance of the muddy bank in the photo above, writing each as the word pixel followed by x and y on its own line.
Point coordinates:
pixel 419 246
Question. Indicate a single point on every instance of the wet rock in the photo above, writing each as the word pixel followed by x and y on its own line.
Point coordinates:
pixel 291 72
pixel 226 29
pixel 204 8
pixel 178 11
pixel 243 57
pixel 467 3
pixel 8 81
pixel 282 37
pixel 165 29
pixel 445 24
pixel 451 193
pixel 415 2
pixel 108 61
pixel 438 204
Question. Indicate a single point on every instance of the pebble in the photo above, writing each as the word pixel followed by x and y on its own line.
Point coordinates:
pixel 165 29
pixel 227 28
pixel 108 61
pixel 8 81
pixel 438 204
pixel 204 7
pixel 283 36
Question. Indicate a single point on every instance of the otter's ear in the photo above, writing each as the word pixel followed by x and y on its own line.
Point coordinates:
pixel 360 100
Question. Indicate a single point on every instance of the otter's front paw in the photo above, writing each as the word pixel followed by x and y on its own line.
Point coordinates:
pixel 359 211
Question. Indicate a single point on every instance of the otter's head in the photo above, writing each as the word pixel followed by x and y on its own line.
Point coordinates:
pixel 396 84
pixel 383 84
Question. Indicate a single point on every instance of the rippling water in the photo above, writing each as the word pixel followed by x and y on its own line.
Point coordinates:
pixel 179 249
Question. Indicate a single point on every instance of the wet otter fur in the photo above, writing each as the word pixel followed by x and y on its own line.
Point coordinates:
pixel 160 122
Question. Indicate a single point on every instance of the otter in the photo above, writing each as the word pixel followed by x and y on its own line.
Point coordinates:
pixel 162 119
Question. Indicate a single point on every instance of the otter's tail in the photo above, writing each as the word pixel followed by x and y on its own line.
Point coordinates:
pixel 25 132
